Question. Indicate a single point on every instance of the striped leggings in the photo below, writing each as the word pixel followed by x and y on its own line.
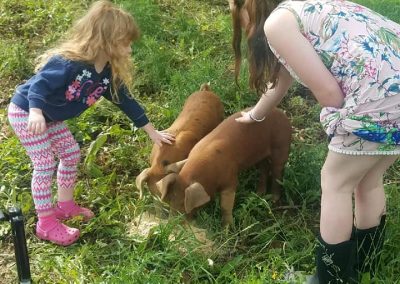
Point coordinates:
pixel 58 141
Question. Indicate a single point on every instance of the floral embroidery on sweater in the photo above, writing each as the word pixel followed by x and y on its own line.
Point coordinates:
pixel 86 90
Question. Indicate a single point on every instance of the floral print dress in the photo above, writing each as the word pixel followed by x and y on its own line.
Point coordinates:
pixel 362 50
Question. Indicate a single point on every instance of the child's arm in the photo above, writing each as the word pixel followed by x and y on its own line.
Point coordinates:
pixel 138 116
pixel 52 76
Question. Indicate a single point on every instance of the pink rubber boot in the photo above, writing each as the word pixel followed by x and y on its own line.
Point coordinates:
pixel 68 209
pixel 49 228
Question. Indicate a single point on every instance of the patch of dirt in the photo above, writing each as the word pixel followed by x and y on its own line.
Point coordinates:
pixel 8 269
pixel 142 225
pixel 207 245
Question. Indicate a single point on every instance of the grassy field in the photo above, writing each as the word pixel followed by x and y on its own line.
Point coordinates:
pixel 184 43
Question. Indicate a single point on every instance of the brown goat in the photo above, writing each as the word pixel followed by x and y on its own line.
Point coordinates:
pixel 201 113
pixel 214 163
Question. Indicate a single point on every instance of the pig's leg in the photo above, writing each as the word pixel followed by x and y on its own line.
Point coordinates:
pixel 227 202
pixel 278 161
pixel 264 176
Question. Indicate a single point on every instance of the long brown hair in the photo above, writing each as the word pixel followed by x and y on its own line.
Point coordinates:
pixel 237 34
pixel 105 27
pixel 263 65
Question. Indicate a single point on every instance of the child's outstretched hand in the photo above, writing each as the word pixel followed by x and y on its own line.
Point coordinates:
pixel 160 137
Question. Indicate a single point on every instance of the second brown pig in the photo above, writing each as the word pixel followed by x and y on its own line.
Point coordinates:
pixel 213 165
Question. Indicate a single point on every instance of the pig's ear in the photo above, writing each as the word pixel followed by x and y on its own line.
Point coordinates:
pixel 175 167
pixel 164 184
pixel 195 196
pixel 140 180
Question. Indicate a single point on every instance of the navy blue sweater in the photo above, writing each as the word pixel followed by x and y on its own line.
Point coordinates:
pixel 64 89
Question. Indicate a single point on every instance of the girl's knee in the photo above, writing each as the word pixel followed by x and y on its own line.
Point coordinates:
pixel 71 159
pixel 71 156
pixel 48 165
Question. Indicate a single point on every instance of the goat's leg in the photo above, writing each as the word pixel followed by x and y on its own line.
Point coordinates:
pixel 227 202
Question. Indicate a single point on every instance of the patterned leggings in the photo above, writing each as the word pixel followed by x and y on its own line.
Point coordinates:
pixel 56 140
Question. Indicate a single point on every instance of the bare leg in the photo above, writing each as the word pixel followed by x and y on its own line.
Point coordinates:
pixel 340 175
pixel 370 196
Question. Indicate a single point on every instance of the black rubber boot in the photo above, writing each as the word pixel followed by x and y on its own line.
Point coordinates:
pixel 336 262
pixel 369 247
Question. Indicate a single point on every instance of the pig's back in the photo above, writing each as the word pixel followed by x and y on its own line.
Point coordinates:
pixel 243 144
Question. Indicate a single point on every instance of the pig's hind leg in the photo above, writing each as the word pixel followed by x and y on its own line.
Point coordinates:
pixel 264 179
pixel 227 202
pixel 278 162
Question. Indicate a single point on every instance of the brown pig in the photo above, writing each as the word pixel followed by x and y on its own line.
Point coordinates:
pixel 214 163
pixel 201 113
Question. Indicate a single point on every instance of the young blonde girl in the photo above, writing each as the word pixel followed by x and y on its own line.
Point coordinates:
pixel 93 61
pixel 348 56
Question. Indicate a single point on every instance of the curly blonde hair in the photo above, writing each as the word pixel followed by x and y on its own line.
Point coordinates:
pixel 104 28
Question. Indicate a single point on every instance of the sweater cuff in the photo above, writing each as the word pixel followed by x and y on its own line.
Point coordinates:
pixel 141 121
pixel 36 103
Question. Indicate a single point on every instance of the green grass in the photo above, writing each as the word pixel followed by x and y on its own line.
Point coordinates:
pixel 388 8
pixel 183 44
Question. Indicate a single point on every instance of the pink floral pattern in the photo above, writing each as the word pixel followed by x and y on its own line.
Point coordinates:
pixel 361 48
pixel 85 90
